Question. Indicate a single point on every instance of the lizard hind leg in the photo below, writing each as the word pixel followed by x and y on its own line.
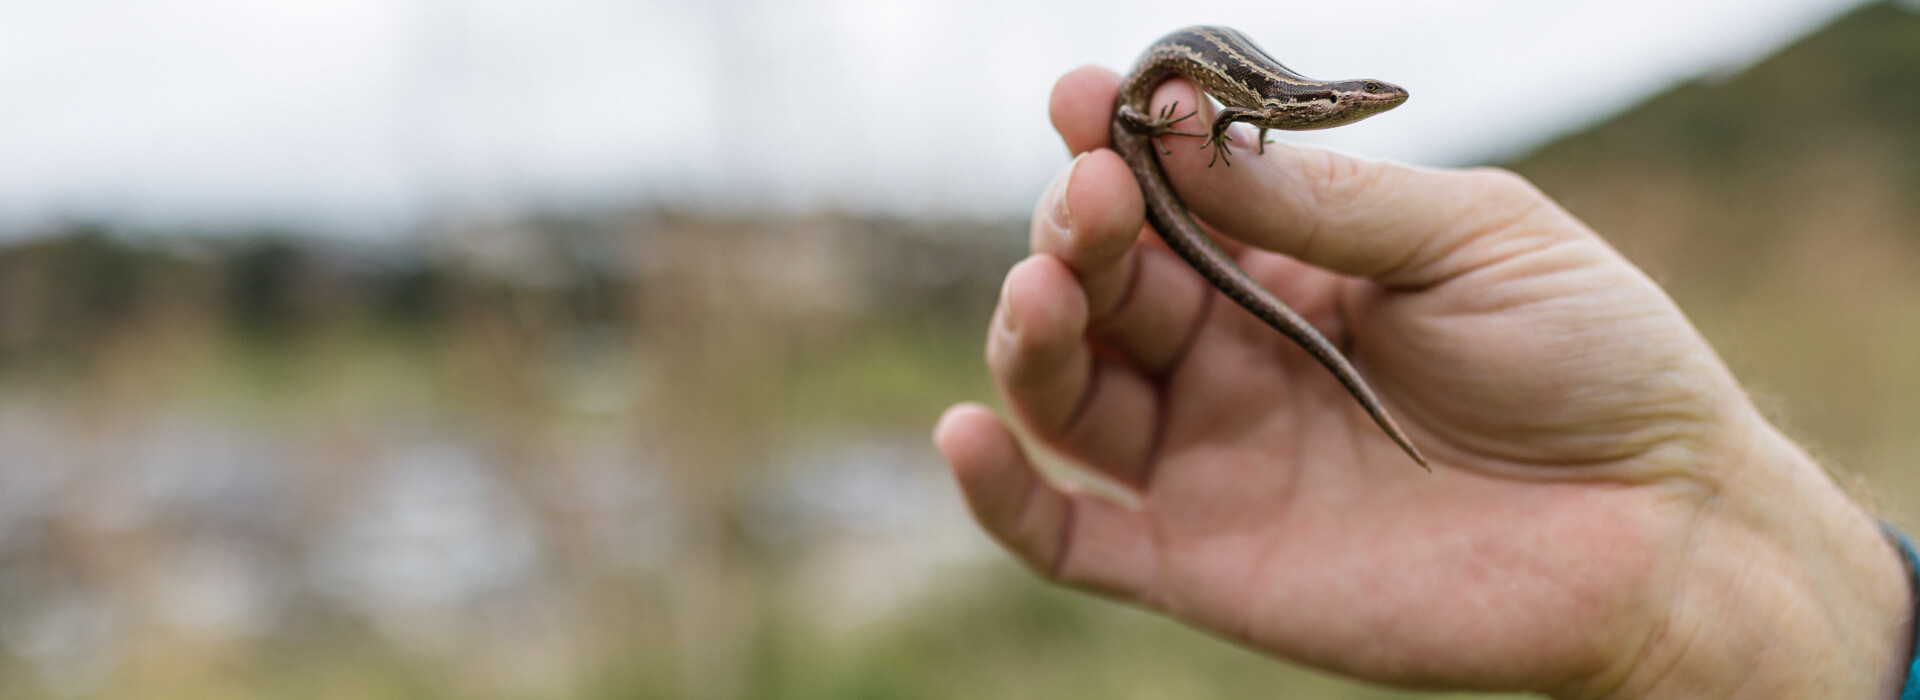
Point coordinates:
pixel 1157 127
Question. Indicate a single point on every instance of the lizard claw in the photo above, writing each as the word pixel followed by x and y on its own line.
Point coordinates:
pixel 1220 151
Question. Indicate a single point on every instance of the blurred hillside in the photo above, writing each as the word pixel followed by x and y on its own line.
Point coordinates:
pixel 669 455
pixel 1781 206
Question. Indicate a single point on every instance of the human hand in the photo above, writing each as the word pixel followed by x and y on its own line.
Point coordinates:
pixel 1608 515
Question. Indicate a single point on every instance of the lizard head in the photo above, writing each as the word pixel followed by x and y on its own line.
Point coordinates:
pixel 1333 104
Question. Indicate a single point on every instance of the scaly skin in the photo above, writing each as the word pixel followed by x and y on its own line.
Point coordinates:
pixel 1256 89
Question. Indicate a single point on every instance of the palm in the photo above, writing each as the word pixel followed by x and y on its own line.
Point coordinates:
pixel 1278 510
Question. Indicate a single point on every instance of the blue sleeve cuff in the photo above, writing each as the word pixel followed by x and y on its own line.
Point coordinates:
pixel 1910 690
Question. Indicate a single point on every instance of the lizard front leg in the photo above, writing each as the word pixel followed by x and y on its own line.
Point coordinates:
pixel 1219 137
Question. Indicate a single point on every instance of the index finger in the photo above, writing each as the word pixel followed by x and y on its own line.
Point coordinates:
pixel 1081 106
pixel 1397 224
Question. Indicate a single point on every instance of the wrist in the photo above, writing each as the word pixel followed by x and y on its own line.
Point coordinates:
pixel 1786 589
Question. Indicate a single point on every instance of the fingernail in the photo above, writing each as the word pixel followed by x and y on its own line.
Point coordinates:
pixel 1054 212
pixel 1004 329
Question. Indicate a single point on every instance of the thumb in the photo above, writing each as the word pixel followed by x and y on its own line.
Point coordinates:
pixel 1399 225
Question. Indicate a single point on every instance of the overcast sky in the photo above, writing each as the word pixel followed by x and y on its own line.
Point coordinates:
pixel 364 116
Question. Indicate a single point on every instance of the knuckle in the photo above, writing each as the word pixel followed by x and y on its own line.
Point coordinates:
pixel 1336 182
pixel 1505 185
pixel 1506 198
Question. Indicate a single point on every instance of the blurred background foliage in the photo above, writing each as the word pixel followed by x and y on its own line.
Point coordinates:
pixel 665 454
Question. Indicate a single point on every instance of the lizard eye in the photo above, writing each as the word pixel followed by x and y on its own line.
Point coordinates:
pixel 1373 86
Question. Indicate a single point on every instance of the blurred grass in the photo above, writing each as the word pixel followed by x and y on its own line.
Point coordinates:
pixel 1004 635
